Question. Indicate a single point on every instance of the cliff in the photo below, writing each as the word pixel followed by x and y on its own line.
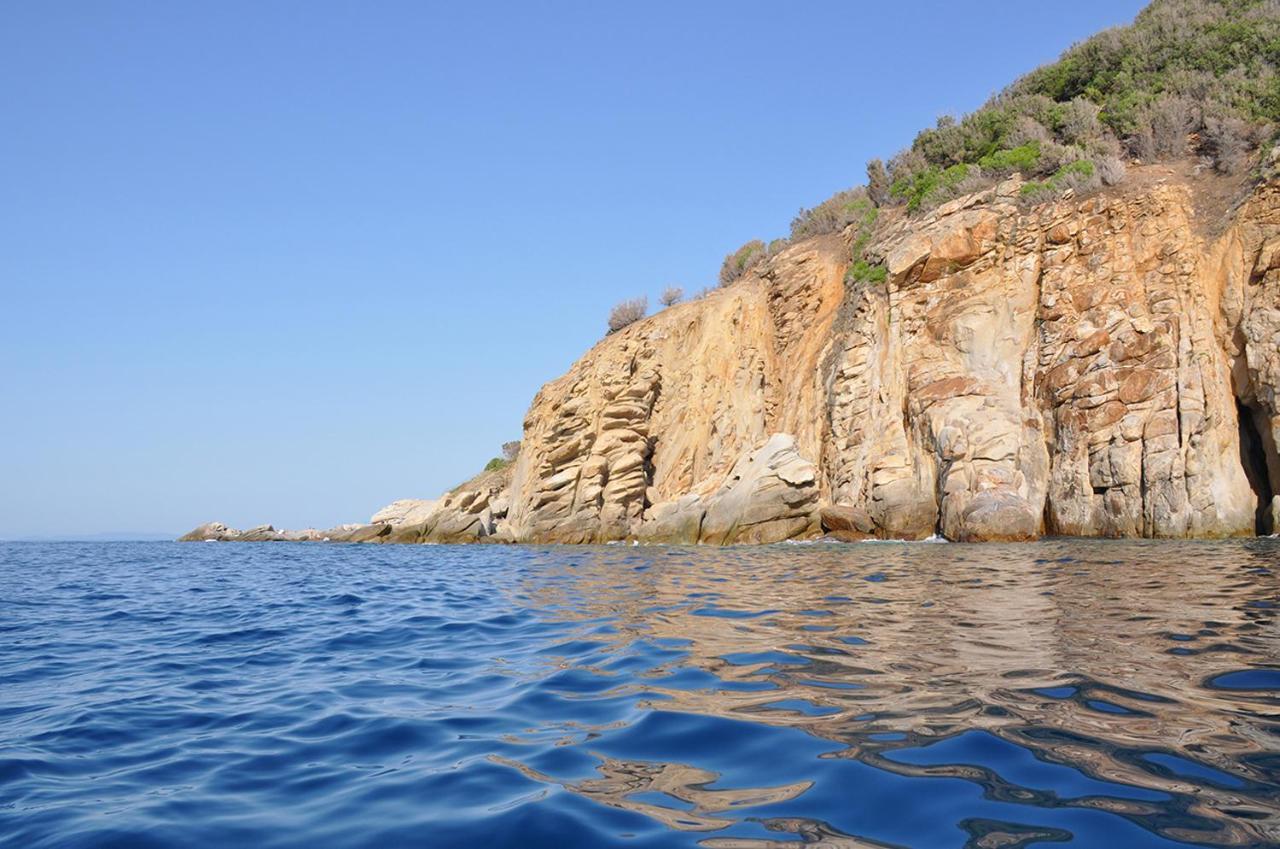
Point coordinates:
pixel 1100 365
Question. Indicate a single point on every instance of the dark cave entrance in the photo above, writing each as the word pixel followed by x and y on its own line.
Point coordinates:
pixel 1256 452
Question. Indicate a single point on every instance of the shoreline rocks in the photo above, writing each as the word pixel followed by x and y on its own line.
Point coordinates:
pixel 1097 366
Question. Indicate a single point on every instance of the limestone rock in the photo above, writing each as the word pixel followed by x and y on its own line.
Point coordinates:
pixel 678 521
pixel 304 535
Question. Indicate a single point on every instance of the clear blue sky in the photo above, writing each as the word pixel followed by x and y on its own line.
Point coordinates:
pixel 288 261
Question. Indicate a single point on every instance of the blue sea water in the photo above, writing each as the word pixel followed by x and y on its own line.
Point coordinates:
pixel 1075 693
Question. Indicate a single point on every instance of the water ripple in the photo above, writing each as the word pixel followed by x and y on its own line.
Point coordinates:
pixel 1090 694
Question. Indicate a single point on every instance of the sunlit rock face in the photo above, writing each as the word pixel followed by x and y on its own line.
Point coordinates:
pixel 1099 366
pixel 668 407
pixel 1096 366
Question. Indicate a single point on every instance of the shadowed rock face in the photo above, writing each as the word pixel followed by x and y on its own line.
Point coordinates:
pixel 1088 367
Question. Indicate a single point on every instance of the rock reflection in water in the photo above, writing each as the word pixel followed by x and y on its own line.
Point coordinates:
pixel 1066 674
pixel 624 784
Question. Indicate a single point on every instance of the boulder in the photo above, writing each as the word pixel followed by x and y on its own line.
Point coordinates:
pixel 406 511
pixel 209 531
pixel 367 533
pixel 771 494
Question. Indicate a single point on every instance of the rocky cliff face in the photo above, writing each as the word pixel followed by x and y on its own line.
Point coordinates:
pixel 1099 366
pixel 1104 366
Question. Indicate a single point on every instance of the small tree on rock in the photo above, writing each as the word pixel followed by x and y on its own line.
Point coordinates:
pixel 742 260
pixel 671 295
pixel 627 312
pixel 877 183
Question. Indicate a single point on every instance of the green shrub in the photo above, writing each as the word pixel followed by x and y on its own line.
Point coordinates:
pixel 832 215
pixel 1185 70
pixel 865 272
pixel 862 271
pixel 1081 174
pixel 1206 67
pixel 932 185
pixel 742 260
pixel 1024 157
pixel 496 464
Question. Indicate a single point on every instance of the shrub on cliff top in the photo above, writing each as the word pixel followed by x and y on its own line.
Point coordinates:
pixel 1184 67
pixel 832 215
pixel 861 270
pixel 1186 72
pixel 741 261
pixel 931 186
pixel 1024 157
pixel 1080 175
pixel 627 312
pixel 671 295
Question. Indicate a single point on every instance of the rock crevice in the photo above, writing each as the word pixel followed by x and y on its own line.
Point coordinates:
pixel 1095 366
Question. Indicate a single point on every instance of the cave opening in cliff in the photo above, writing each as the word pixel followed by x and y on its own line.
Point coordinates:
pixel 1255 443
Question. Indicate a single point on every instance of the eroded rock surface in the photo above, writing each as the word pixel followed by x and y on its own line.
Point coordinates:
pixel 1075 368
pixel 218 532
pixel 1099 366
pixel 406 511
pixel 770 494
pixel 468 513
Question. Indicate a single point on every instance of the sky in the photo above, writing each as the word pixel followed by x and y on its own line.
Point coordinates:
pixel 267 261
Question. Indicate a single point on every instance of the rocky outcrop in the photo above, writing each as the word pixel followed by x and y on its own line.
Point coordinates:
pixel 1074 368
pixel 771 494
pixel 469 513
pixel 1099 366
pixel 406 511
pixel 667 408
pixel 218 532
pixel 213 531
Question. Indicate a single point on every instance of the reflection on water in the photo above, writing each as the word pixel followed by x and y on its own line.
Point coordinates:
pixel 1089 675
pixel 1093 694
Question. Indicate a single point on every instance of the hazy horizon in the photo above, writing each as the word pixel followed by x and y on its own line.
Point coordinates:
pixel 285 263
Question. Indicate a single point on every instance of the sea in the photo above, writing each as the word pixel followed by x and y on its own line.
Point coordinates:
pixel 934 696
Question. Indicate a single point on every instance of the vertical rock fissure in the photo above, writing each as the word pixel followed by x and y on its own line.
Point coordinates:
pixel 1256 447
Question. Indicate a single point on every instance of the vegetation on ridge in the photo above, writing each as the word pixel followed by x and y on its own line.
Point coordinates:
pixel 627 312
pixel 1186 77
pixel 1196 76
pixel 510 451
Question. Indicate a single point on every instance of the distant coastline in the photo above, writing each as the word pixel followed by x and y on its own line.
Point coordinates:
pixel 123 536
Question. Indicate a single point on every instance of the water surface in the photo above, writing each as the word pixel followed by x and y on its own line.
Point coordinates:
pixel 1088 694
